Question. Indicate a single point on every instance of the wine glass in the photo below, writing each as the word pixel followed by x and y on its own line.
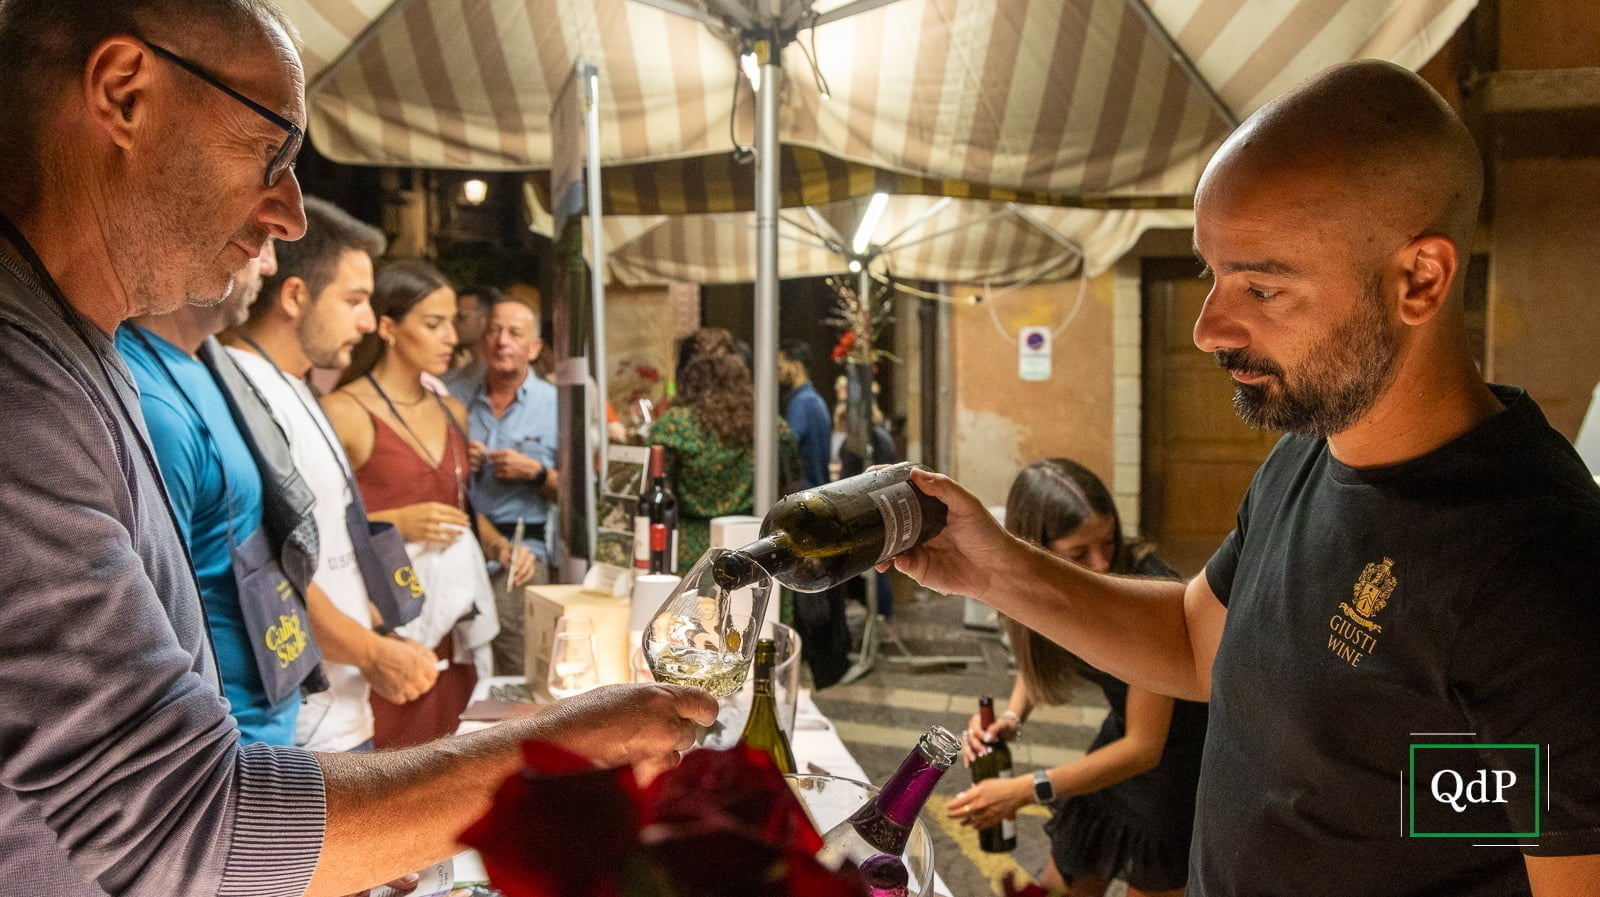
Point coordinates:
pixel 703 635
pixel 573 669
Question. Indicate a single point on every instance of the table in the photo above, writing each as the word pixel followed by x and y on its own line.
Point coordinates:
pixel 815 741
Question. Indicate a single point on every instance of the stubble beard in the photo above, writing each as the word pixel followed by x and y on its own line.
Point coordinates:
pixel 144 241
pixel 319 344
pixel 1342 378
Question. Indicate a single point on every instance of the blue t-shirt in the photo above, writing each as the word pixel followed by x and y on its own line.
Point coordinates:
pixel 529 426
pixel 194 479
pixel 807 415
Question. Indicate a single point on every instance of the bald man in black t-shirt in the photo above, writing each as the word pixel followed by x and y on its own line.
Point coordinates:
pixel 1399 638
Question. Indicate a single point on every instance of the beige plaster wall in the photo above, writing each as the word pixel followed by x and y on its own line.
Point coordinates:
pixel 1003 422
pixel 1544 284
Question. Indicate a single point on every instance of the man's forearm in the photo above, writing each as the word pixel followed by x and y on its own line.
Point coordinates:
pixel 1130 627
pixel 394 812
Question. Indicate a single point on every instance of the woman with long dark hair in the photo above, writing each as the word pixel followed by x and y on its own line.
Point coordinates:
pixel 408 448
pixel 1126 808
pixel 709 432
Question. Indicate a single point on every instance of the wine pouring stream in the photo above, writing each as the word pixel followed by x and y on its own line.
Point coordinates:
pixel 705 632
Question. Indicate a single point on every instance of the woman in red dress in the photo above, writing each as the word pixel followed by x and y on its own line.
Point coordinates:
pixel 409 454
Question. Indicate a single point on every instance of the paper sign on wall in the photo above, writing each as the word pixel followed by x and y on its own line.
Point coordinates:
pixel 1033 353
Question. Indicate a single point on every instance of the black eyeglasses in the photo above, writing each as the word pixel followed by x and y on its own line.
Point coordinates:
pixel 283 159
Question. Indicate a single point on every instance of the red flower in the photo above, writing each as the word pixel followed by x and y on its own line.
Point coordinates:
pixel 723 823
pixel 1028 890
pixel 847 341
pixel 738 788
pixel 560 828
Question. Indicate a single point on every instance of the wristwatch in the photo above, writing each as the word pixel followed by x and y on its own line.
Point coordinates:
pixel 1043 791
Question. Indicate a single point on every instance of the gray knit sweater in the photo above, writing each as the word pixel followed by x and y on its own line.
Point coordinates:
pixel 120 769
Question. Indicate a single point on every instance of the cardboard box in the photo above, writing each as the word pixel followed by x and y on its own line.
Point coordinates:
pixel 540 615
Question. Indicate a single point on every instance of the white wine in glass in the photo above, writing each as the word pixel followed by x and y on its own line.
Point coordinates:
pixel 697 639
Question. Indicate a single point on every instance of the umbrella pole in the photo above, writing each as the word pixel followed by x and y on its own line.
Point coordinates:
pixel 766 312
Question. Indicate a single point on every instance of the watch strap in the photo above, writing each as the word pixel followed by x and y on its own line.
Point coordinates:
pixel 1043 790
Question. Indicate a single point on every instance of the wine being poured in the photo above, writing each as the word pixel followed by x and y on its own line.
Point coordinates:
pixel 698 638
pixel 810 541
pixel 819 538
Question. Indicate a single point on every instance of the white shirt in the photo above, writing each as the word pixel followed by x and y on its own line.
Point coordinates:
pixel 340 718
pixel 1588 441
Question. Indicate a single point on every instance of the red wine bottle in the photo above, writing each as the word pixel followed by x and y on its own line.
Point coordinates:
pixel 1002 836
pixel 657 507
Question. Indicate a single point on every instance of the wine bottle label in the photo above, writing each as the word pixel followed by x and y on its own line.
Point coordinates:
pixel 1008 827
pixel 902 518
pixel 641 543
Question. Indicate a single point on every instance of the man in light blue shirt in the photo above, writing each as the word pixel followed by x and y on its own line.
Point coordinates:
pixel 511 416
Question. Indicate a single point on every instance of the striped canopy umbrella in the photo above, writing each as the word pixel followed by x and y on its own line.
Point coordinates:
pixel 916 238
pixel 1088 101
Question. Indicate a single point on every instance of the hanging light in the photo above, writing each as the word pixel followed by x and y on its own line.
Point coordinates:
pixel 751 68
pixel 474 191
pixel 855 266
pixel 869 223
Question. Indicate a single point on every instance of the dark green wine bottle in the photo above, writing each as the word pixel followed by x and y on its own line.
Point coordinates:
pixel 761 729
pixel 819 538
pixel 1002 837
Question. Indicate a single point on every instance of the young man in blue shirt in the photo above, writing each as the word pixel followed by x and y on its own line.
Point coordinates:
pixel 805 412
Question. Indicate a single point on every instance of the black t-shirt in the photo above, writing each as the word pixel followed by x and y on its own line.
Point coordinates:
pixel 1453 593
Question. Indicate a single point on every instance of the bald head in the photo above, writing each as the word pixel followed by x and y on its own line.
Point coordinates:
pixel 1337 222
pixel 1368 147
pixel 510 338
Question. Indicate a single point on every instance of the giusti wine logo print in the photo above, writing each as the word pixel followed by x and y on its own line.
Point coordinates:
pixel 1354 631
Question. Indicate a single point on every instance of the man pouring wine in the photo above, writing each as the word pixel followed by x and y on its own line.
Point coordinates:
pixel 1336 224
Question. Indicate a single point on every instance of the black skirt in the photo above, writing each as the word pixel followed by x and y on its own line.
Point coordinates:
pixel 1088 838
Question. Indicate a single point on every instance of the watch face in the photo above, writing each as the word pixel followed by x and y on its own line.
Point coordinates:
pixel 1043 791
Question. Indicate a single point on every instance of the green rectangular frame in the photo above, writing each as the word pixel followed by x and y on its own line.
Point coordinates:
pixel 1411 792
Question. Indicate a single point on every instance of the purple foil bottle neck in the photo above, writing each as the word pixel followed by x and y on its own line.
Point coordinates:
pixel 908 789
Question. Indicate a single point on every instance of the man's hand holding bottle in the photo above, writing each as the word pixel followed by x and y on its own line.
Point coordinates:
pixel 970 553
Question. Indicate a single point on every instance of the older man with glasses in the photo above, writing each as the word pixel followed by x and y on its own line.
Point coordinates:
pixel 147 156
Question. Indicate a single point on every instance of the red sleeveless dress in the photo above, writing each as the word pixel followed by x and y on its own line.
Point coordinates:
pixel 393 477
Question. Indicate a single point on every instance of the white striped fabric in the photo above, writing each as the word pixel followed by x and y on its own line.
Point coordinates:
pixel 1068 96
pixel 966 241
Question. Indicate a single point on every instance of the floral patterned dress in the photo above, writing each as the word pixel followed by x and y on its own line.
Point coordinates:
pixel 709 477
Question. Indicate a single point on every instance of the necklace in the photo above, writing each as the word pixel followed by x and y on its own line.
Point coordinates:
pixel 413 402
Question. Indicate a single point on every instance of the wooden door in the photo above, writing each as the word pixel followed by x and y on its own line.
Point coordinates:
pixel 1198 457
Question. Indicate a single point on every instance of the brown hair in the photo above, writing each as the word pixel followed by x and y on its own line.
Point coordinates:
pixel 1050 499
pixel 715 382
pixel 314 258
pixel 398 288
